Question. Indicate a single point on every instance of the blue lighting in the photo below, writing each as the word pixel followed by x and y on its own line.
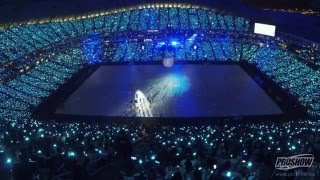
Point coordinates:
pixel 174 43
pixel 178 83
pixel 192 38
pixel 71 154
pixel 161 43
pixel 9 160
pixel 91 49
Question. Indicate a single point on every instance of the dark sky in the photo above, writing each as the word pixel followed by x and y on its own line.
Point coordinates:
pixel 279 3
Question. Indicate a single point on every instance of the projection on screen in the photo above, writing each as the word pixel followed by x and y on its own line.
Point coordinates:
pixel 264 29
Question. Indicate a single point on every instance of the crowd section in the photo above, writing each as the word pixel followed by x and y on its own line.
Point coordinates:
pixel 23 39
pixel 30 148
pixel 35 149
pixel 310 55
pixel 47 150
pixel 291 75
pixel 26 92
pixel 285 68
pixel 198 50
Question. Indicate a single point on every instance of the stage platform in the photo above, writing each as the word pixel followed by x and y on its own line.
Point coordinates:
pixel 183 91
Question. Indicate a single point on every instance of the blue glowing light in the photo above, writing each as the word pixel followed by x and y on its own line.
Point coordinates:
pixel 9 160
pixel 161 43
pixel 174 43
pixel 228 174
pixel 192 38
pixel 91 49
pixel 71 154
pixel 178 83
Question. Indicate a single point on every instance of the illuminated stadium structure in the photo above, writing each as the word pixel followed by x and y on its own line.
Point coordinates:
pixel 44 61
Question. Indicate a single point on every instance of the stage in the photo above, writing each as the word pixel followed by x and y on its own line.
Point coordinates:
pixel 183 91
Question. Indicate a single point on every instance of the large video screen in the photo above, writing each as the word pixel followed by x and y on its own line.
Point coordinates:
pixel 264 29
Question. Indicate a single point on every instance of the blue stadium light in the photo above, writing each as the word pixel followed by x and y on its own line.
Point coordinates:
pixel 174 43
pixel 179 83
pixel 91 49
pixel 161 43
pixel 71 154
pixel 192 38
pixel 9 161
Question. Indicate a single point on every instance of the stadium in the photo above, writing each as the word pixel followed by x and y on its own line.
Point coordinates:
pixel 158 91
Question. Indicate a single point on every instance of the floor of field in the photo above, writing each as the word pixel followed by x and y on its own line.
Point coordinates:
pixel 180 91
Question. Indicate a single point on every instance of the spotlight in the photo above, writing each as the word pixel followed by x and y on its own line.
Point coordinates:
pixel 174 43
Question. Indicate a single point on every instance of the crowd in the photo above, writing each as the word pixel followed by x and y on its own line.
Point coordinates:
pixel 283 67
pixel 291 75
pixel 310 55
pixel 26 92
pixel 45 150
pixel 30 148
pixel 19 40
pixel 35 149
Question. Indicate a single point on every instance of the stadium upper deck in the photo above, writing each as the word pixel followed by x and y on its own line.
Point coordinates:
pixel 59 41
pixel 13 11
